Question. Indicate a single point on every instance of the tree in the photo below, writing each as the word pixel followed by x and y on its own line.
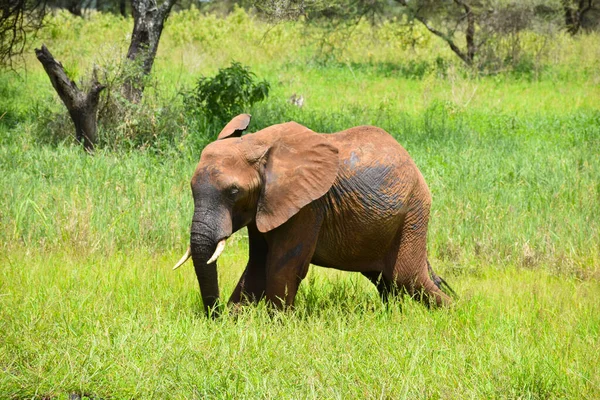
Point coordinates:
pixel 480 23
pixel 471 28
pixel 575 11
pixel 148 22
pixel 21 18
pixel 82 105
pixel 330 16
pixel 319 10
pixel 461 13
pixel 18 19
pixel 78 7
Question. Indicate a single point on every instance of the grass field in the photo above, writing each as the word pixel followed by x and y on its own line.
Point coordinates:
pixel 128 327
pixel 89 304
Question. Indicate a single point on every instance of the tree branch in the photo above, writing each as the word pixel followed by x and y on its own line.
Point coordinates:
pixel 447 39
pixel 64 86
pixel 17 19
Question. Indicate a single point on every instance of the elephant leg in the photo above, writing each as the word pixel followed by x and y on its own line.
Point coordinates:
pixel 409 269
pixel 385 286
pixel 252 284
pixel 291 247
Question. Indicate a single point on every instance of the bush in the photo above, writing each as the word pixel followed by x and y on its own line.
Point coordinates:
pixel 232 91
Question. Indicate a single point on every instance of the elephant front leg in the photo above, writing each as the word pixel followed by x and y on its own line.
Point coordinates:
pixel 291 247
pixel 252 284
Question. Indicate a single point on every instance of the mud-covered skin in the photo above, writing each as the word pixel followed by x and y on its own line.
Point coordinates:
pixel 352 200
pixel 376 214
pixel 368 201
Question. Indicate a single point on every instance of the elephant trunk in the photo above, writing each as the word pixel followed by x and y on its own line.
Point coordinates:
pixel 202 248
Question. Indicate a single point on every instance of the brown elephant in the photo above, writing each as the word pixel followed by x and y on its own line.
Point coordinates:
pixel 352 200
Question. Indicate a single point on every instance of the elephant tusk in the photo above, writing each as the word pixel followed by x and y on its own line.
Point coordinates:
pixel 183 259
pixel 218 251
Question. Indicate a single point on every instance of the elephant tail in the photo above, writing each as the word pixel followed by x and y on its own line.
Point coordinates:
pixel 440 282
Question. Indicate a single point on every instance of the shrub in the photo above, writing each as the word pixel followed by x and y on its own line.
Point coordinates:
pixel 232 91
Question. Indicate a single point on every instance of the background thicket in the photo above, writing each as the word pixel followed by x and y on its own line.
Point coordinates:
pixel 88 304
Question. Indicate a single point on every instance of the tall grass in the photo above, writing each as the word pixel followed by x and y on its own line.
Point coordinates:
pixel 507 190
pixel 88 304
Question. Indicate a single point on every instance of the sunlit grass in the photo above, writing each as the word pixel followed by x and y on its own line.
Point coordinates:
pixel 506 189
pixel 89 304
pixel 127 326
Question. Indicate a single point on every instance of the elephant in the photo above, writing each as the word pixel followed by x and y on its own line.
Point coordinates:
pixel 353 200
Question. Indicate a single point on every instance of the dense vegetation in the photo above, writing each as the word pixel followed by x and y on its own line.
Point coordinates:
pixel 88 303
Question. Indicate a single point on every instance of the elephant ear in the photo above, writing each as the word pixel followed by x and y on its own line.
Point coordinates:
pixel 298 168
pixel 235 127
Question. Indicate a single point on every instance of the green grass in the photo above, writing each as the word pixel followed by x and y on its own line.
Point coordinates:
pixel 507 190
pixel 89 305
pixel 128 327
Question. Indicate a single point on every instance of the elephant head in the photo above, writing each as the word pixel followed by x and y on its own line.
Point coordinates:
pixel 262 178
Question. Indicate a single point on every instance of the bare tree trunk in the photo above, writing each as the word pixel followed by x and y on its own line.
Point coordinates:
pixel 75 7
pixel 123 8
pixel 148 22
pixel 82 106
pixel 574 15
pixel 470 32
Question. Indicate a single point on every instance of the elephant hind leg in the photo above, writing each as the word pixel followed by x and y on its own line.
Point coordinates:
pixel 427 292
pixel 408 266
pixel 419 285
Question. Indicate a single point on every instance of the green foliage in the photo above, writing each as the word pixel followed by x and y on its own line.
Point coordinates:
pixel 499 185
pixel 233 90
pixel 89 305
pixel 14 110
pixel 157 122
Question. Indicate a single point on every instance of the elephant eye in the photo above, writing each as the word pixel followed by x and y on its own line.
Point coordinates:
pixel 234 190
